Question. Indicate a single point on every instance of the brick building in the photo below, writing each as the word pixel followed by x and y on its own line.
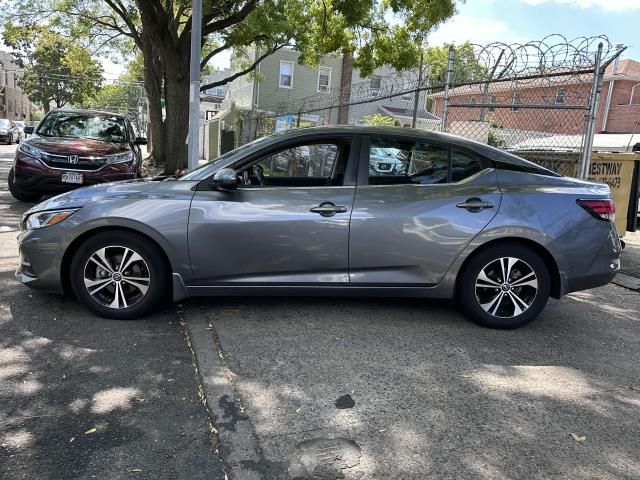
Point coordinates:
pixel 621 116
pixel 14 103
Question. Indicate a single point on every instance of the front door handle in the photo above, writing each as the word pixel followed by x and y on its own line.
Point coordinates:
pixel 328 209
pixel 475 204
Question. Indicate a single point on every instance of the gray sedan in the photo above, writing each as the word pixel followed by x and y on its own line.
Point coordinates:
pixel 458 220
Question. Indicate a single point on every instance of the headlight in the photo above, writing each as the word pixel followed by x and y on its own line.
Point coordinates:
pixel 120 157
pixel 46 219
pixel 3 131
pixel 30 150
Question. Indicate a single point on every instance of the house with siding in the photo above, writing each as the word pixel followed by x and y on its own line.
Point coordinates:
pixel 14 103
pixel 283 86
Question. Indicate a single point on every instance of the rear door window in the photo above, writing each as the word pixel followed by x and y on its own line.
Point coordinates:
pixel 397 162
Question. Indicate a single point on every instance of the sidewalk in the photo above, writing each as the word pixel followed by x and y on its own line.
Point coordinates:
pixel 631 255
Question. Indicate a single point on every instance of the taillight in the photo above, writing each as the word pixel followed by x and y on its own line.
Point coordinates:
pixel 601 209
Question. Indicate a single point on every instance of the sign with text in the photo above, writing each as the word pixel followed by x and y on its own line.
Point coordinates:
pixel 616 170
pixel 283 122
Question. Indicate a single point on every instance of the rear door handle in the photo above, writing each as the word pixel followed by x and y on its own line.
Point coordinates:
pixel 328 209
pixel 475 204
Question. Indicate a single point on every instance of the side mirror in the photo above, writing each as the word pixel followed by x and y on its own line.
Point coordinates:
pixel 28 130
pixel 225 179
pixel 140 141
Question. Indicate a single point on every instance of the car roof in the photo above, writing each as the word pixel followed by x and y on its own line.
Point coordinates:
pixel 87 111
pixel 414 134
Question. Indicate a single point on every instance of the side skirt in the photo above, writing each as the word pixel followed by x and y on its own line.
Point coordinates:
pixel 337 291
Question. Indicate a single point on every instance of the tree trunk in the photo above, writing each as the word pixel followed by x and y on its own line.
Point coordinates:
pixel 46 106
pixel 160 34
pixel 177 117
pixel 153 87
pixel 345 88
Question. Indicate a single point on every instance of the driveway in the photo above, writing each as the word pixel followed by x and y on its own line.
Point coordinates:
pixel 83 397
pixel 434 395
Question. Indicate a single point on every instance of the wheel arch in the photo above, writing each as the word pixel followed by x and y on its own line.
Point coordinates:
pixel 547 257
pixel 71 250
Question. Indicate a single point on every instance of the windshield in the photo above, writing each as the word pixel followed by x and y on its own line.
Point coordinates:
pixel 207 169
pixel 108 128
pixel 4 123
pixel 19 124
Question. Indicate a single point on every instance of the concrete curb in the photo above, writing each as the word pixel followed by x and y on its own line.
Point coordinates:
pixel 627 281
pixel 238 445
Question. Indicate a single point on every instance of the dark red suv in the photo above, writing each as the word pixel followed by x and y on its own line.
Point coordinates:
pixel 75 148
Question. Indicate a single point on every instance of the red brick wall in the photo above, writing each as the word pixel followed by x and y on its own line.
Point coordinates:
pixel 622 116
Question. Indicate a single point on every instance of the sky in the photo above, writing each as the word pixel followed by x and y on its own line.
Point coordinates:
pixel 520 21
pixel 486 21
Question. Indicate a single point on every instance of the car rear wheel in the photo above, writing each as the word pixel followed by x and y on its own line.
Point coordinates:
pixel 18 193
pixel 119 275
pixel 504 286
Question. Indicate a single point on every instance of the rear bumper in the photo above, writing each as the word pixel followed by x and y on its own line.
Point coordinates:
pixel 602 269
pixel 31 175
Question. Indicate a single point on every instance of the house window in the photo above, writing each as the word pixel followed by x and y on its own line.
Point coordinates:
pixel 324 79
pixel 374 86
pixel 560 93
pixel 516 102
pixel 286 74
pixel 492 108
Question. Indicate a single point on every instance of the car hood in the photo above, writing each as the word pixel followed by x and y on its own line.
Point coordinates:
pixel 81 196
pixel 76 146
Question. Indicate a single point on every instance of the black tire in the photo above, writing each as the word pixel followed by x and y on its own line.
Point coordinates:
pixel 10 140
pixel 506 314
pixel 153 265
pixel 20 194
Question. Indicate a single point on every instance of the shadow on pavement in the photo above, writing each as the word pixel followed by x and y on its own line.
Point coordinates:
pixel 85 397
pixel 436 396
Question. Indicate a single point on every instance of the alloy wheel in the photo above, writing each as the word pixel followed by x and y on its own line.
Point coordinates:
pixel 117 277
pixel 506 287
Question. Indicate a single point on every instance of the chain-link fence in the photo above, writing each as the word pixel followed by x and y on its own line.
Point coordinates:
pixel 537 99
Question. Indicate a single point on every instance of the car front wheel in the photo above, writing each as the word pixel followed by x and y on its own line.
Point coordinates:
pixel 119 275
pixel 18 193
pixel 504 286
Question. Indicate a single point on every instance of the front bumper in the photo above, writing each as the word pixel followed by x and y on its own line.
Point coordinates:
pixel 41 254
pixel 32 175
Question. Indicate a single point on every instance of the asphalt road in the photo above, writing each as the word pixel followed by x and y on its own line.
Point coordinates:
pixel 83 397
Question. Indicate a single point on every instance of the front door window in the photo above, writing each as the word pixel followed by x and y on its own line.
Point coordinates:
pixel 314 164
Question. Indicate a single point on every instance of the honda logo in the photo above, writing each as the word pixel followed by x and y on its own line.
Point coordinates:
pixel 73 158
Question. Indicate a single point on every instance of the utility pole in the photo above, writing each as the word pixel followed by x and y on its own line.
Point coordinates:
pixel 194 85
pixel 416 100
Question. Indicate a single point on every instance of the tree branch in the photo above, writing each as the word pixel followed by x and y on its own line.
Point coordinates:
pixel 212 54
pixel 241 72
pixel 232 19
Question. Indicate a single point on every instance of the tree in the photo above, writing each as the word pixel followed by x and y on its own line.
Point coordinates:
pixel 161 29
pixel 55 68
pixel 124 94
pixel 466 67
pixel 379 119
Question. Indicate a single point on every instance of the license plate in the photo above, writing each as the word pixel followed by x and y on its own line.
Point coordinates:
pixel 72 178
